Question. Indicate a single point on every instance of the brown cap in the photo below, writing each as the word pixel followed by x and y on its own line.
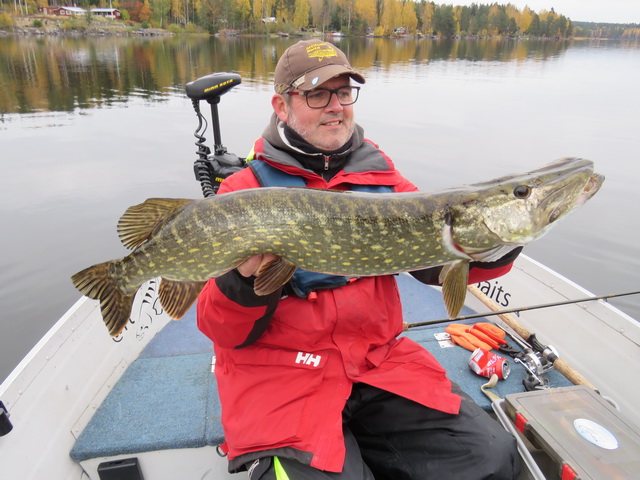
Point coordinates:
pixel 309 63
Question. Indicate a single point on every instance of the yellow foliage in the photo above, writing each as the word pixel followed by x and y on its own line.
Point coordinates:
pixel 367 10
pixel 301 14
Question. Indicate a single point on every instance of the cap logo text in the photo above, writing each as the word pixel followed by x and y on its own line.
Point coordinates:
pixel 321 51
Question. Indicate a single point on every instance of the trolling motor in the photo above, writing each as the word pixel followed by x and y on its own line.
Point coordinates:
pixel 211 169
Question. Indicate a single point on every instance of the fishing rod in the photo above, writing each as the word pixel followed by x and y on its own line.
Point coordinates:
pixel 520 309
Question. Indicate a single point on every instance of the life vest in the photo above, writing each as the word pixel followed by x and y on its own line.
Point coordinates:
pixel 304 283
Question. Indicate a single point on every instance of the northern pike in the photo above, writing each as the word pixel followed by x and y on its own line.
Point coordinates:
pixel 186 242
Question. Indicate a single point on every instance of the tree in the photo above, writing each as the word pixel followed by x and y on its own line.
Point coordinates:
pixel 145 13
pixel 427 17
pixel 366 9
pixel 444 21
pixel 301 14
pixel 408 17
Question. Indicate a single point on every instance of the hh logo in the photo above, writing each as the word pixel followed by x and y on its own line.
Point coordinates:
pixel 308 359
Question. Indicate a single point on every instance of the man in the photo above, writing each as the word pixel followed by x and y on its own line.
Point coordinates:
pixel 316 385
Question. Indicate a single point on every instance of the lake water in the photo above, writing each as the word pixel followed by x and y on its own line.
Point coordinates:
pixel 89 127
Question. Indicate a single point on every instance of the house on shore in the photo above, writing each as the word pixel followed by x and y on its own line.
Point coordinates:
pixel 75 11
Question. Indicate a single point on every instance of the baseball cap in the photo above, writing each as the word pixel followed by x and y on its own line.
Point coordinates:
pixel 309 63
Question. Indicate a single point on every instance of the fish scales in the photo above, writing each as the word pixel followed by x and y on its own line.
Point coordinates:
pixel 187 242
pixel 346 234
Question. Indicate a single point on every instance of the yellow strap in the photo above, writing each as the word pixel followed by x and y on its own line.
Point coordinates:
pixel 279 469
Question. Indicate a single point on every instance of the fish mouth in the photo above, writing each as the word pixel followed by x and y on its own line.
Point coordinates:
pixel 591 187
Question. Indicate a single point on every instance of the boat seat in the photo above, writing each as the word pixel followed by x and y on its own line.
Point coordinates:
pixel 167 398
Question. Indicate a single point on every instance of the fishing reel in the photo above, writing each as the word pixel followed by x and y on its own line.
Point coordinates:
pixel 536 358
pixel 211 169
pixel 536 364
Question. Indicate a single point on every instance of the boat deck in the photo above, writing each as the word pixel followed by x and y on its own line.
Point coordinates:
pixel 167 398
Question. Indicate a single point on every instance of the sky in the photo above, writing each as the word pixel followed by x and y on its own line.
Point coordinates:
pixel 603 11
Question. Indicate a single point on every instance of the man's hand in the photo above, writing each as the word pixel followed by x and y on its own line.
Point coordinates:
pixel 252 265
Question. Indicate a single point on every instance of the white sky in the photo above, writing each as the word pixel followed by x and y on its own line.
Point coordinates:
pixel 611 11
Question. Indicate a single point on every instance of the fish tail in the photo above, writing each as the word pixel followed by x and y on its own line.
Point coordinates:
pixel 97 282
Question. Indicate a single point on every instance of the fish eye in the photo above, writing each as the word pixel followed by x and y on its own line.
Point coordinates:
pixel 522 191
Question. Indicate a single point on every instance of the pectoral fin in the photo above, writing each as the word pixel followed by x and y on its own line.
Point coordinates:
pixel 177 297
pixel 273 275
pixel 454 278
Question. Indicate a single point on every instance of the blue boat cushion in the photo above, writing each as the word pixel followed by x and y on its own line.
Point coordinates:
pixel 167 399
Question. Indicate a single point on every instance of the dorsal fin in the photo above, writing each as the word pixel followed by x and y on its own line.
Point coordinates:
pixel 139 222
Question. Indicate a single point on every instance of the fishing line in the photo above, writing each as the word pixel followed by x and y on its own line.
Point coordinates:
pixel 520 309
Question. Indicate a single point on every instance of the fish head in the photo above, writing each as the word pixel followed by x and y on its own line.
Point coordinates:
pixel 515 210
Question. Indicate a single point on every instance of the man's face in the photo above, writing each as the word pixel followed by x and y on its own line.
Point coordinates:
pixel 327 128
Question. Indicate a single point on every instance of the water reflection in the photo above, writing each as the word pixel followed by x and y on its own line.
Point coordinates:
pixel 64 74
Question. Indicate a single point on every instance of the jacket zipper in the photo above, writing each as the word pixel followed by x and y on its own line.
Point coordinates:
pixel 326 162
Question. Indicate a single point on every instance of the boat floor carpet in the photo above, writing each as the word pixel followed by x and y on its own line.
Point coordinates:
pixel 167 398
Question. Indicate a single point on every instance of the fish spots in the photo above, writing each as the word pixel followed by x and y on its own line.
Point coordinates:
pixel 336 247
pixel 171 259
pixel 236 239
pixel 328 232
pixel 194 250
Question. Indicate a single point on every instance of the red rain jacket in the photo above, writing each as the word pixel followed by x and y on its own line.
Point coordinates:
pixel 288 389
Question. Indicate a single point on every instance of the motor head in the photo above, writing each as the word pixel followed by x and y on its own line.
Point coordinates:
pixel 211 87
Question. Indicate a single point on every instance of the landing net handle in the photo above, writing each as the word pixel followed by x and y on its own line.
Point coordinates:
pixel 211 169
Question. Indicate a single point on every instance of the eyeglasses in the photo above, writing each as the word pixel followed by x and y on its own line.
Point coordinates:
pixel 321 97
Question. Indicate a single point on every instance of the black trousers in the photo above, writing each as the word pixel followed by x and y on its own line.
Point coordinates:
pixel 388 437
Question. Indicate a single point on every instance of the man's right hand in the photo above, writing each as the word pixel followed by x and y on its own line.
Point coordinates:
pixel 252 265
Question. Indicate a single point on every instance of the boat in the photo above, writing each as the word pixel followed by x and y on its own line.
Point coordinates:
pixel 143 405
pixel 81 403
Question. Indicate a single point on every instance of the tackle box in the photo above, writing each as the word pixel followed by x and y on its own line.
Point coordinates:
pixel 583 435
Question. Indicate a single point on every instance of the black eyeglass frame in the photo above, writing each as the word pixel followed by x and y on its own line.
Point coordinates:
pixel 331 92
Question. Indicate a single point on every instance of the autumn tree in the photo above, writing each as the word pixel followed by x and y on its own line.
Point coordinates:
pixel 301 13
pixel 366 9
pixel 145 13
